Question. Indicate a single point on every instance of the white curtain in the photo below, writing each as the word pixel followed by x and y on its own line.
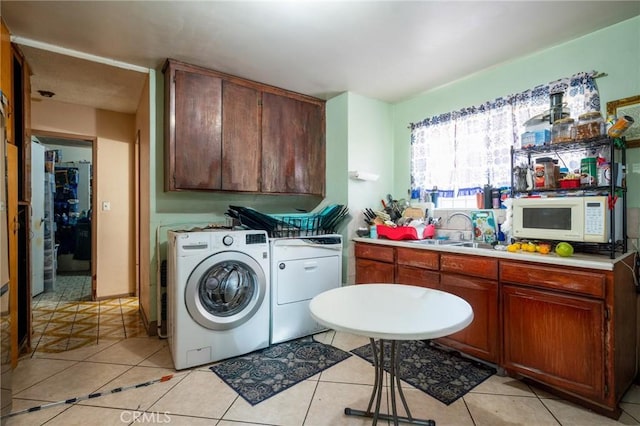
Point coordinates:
pixel 460 151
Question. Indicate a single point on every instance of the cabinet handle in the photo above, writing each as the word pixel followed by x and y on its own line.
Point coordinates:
pixel 309 266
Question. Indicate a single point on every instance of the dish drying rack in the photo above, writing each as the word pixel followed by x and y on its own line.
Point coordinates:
pixel 293 224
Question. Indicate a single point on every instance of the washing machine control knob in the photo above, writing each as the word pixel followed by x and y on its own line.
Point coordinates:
pixel 227 240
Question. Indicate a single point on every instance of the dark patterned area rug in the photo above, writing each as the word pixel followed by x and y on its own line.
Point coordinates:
pixel 444 375
pixel 267 372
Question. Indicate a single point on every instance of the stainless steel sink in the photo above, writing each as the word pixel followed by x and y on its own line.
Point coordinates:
pixel 473 244
pixel 454 243
pixel 438 242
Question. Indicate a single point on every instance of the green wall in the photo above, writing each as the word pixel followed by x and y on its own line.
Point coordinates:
pixel 614 50
pixel 372 136
pixel 171 210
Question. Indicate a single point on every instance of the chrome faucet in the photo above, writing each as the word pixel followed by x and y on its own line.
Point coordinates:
pixel 463 215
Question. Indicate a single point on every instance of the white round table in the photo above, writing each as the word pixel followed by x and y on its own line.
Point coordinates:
pixel 390 312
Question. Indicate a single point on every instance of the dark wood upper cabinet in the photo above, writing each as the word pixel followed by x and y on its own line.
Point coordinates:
pixel 195 140
pixel 224 133
pixel 293 145
pixel 241 156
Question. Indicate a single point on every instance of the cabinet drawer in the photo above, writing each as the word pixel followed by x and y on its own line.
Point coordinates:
pixel 419 258
pixel 477 266
pixel 575 281
pixel 374 252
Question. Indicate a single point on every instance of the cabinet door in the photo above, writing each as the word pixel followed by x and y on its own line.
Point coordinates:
pixel 417 267
pixel 417 276
pixel 371 271
pixel 241 156
pixel 293 145
pixel 195 149
pixel 555 338
pixel 481 337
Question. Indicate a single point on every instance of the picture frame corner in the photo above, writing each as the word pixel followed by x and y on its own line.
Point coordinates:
pixel 628 102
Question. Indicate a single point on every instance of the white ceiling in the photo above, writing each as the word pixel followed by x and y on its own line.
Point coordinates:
pixel 386 50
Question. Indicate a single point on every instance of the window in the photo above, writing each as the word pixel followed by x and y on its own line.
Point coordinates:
pixel 461 151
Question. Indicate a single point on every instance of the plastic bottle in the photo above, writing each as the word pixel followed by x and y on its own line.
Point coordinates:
pixel 487 197
pixel 501 237
pixel 495 198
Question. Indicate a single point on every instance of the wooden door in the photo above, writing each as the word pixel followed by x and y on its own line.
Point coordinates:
pixel 481 337
pixel 372 272
pixel 241 154
pixel 6 77
pixel 410 275
pixel 555 338
pixel 194 156
pixel 417 267
pixel 37 219
pixel 12 213
pixel 293 145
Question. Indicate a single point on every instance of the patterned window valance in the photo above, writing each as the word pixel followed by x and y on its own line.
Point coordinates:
pixel 459 151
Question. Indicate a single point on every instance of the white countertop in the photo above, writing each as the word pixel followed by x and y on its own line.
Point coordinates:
pixel 579 260
pixel 391 311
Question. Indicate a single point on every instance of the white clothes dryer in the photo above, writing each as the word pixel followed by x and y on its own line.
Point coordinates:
pixel 218 295
pixel 301 268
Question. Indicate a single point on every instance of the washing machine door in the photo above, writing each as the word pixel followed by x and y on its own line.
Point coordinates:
pixel 225 290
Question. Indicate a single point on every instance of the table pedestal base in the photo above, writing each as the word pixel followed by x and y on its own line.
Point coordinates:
pixel 396 419
pixel 376 394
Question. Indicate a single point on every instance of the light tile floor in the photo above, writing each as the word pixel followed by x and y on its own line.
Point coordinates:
pixel 197 397
pixel 66 318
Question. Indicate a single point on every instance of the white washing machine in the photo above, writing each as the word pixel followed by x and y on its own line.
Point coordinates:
pixel 301 268
pixel 218 295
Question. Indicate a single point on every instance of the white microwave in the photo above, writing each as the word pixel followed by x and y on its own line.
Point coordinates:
pixel 582 219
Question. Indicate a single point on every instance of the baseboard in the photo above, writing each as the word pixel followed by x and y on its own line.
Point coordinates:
pixel 150 326
pixel 115 296
pixel 152 329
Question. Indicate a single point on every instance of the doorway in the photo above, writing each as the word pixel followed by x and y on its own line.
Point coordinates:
pixel 62 280
pixel 69 200
pixel 73 313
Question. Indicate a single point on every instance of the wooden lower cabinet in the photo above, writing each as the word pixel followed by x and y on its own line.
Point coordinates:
pixel 372 271
pixel 475 279
pixel 481 338
pixel 416 276
pixel 571 330
pixel 417 267
pixel 555 338
pixel 374 264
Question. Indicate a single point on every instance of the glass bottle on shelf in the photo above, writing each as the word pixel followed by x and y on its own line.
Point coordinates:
pixel 590 125
pixel 563 130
